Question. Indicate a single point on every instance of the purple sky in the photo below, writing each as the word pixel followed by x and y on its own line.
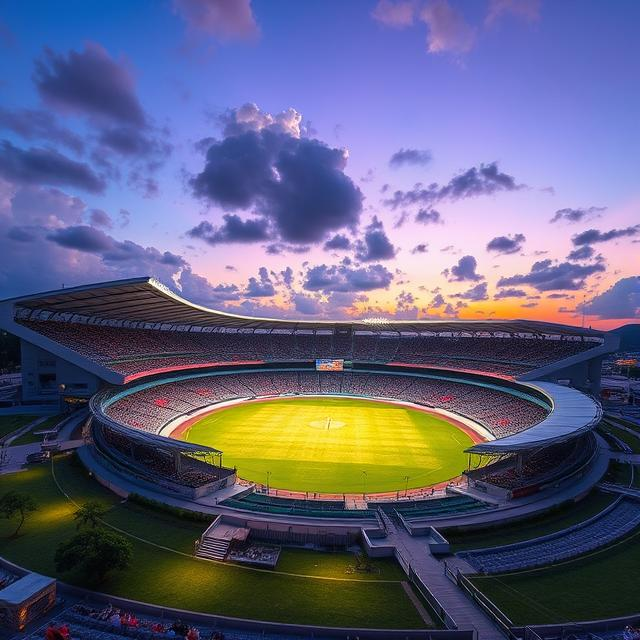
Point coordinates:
pixel 409 158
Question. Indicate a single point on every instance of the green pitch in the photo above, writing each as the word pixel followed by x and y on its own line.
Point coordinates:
pixel 325 444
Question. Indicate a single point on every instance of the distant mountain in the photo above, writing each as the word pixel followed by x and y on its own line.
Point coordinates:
pixel 629 337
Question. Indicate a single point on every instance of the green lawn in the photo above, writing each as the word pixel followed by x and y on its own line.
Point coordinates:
pixel 168 578
pixel 544 524
pixel 30 436
pixel 9 424
pixel 630 439
pixel 289 439
pixel 603 585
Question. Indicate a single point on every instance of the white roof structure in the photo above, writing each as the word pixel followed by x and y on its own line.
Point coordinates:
pixel 572 413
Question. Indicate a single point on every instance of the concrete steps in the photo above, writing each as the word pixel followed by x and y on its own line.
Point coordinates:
pixel 213 549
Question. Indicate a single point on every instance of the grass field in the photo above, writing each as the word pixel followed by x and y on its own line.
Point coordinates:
pixel 9 424
pixel 308 587
pixel 327 444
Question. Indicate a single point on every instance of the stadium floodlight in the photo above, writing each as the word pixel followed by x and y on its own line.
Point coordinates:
pixel 375 320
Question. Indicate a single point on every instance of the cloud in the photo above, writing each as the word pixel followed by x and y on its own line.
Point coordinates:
pixel 591 236
pixel 306 305
pixel 546 276
pixel 100 218
pixel 465 269
pixel 221 19
pixel 485 179
pixel 528 10
pixel 505 245
pixel 448 32
pixel 585 252
pixel 32 124
pixel 577 215
pixel 622 300
pixel 260 287
pixel 397 14
pixel 344 278
pixel 46 167
pixel 415 157
pixel 510 293
pixel 249 117
pixel 90 83
pixel 420 248
pixel 338 242
pixel 297 184
pixel 233 229
pixel 475 294
pixel 376 245
pixel 428 216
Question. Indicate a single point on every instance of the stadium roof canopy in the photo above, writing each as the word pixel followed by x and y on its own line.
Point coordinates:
pixel 146 301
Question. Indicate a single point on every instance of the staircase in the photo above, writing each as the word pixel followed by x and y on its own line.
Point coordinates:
pixel 213 549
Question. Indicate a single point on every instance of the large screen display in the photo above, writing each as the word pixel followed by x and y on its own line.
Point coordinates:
pixel 328 364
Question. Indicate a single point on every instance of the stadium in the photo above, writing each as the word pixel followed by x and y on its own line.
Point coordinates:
pixel 412 440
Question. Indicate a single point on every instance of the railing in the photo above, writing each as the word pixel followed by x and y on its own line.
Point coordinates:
pixel 496 614
pixel 441 613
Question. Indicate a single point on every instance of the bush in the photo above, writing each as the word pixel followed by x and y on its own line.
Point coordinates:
pixel 182 514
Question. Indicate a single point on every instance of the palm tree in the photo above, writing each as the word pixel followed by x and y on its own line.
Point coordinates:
pixel 90 514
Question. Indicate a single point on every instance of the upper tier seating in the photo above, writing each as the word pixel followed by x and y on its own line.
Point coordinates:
pixel 500 412
pixel 138 351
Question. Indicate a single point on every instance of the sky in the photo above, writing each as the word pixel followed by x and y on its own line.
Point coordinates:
pixel 430 159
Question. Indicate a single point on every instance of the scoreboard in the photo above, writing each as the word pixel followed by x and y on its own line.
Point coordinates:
pixel 328 364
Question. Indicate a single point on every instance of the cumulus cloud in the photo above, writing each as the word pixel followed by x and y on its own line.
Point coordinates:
pixel 416 157
pixel 306 305
pixel 345 278
pixel 221 19
pixel 395 13
pixel 622 300
pixel 249 117
pixel 591 236
pixel 505 245
pixel 475 294
pixel 41 166
pixel 585 252
pixel 547 276
pixel 36 124
pixel 297 184
pixel 100 218
pixel 510 293
pixel 465 269
pixel 448 31
pixel 485 179
pixel 260 287
pixel 428 216
pixel 577 215
pixel 233 229
pixel 376 244
pixel 339 242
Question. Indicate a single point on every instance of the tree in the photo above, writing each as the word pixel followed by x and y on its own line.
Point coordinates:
pixel 90 514
pixel 94 552
pixel 13 504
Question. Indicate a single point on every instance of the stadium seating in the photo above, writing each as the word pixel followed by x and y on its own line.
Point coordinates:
pixel 138 351
pixel 597 532
pixel 434 507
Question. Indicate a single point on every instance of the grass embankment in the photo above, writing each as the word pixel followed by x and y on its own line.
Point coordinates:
pixel 549 522
pixel 9 424
pixel 166 577
pixel 630 439
pixel 603 584
pixel 30 436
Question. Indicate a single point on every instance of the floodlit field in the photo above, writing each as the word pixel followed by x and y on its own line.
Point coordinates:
pixel 334 445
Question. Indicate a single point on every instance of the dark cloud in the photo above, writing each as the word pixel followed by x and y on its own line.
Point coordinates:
pixel 278 248
pixel 420 248
pixel 546 276
pixel 91 83
pixel 416 157
pixel 297 184
pixel 510 293
pixel 220 19
pixel 486 179
pixel 100 218
pixel 376 245
pixel 344 278
pixel 475 294
pixel 306 305
pixel 260 287
pixel 21 234
pixel 32 124
pixel 584 252
pixel 339 242
pixel 46 167
pixel 622 300
pixel 135 142
pixel 465 269
pixel 428 216
pixel 577 215
pixel 591 236
pixel 287 277
pixel 506 244
pixel 233 229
